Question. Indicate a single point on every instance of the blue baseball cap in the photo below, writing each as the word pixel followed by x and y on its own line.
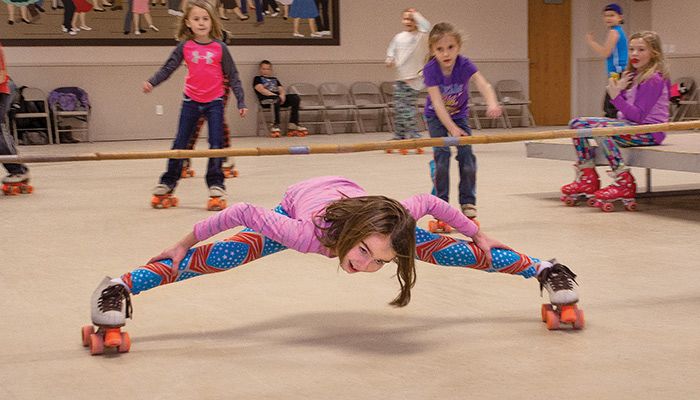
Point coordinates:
pixel 613 7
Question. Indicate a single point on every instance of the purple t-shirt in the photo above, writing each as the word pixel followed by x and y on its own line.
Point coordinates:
pixel 306 200
pixel 454 88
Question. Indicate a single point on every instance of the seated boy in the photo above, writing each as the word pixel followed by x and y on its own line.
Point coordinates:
pixel 271 91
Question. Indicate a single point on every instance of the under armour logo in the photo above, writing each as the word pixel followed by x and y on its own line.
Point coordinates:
pixel 196 57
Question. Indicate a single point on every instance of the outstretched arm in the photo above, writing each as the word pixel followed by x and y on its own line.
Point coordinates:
pixel 171 64
pixel 493 109
pixel 605 49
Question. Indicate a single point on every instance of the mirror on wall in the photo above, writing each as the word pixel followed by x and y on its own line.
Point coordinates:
pixel 153 23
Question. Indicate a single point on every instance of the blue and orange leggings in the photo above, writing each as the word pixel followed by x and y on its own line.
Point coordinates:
pixel 248 245
pixel 609 144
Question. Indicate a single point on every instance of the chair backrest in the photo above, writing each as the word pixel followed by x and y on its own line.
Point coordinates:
pixel 690 86
pixel 69 98
pixel 31 100
pixel 387 89
pixel 364 93
pixel 510 89
pixel 335 94
pixel 307 92
pixel 33 94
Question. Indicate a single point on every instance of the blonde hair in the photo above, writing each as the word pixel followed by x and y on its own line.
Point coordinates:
pixel 657 62
pixel 441 30
pixel 185 33
pixel 348 221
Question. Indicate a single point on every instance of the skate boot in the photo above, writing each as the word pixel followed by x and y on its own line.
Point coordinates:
pixel 437 226
pixel 217 198
pixel 187 171
pixel 229 169
pixel 163 197
pixel 275 131
pixel 469 211
pixel 623 189
pixel 583 187
pixel 560 284
pixel 15 184
pixel 110 306
pixel 296 130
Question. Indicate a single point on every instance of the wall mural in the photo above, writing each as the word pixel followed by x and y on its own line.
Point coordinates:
pixel 153 22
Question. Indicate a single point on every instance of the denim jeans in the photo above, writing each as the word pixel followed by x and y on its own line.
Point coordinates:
pixel 465 158
pixel 7 143
pixel 190 113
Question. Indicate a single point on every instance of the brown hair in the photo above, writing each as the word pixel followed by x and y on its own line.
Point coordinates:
pixel 439 31
pixel 657 62
pixel 349 220
pixel 185 33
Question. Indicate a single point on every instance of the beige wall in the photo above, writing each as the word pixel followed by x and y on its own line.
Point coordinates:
pixel 496 38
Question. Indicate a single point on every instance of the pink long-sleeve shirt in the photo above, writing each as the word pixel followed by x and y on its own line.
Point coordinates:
pixel 306 200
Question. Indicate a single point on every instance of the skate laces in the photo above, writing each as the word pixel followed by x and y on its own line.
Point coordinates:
pixel 558 276
pixel 111 299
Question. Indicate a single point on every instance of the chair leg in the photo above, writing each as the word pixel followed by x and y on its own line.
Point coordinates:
pixel 505 118
pixel 358 120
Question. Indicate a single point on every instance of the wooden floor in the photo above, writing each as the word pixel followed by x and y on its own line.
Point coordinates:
pixel 294 326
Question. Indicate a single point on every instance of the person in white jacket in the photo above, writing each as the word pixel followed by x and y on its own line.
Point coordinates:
pixel 407 54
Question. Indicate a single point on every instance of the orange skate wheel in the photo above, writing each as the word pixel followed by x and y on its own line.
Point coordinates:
pixel 420 151
pixel 552 320
pixel 85 333
pixel 432 226
pixel 165 202
pixel 155 202
pixel 126 343
pixel 113 337
pixel 403 152
pixel 174 201
pixel 191 172
pixel 26 189
pixel 608 207
pixel 389 151
pixel 568 314
pixel 545 308
pixel 235 173
pixel 97 345
pixel 580 322
pixel 443 226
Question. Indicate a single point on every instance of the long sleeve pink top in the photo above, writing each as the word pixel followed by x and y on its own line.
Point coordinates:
pixel 305 202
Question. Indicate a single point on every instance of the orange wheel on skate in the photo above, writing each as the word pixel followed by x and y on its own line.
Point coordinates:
pixel 125 344
pixel 545 308
pixel 165 203
pixel 420 150
pixel 580 320
pixel 235 173
pixel 567 314
pixel 403 152
pixel 174 201
pixel 552 320
pixel 113 337
pixel 389 151
pixel 85 333
pixel 97 345
pixel 608 207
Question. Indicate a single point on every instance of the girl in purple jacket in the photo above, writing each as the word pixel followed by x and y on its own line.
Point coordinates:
pixel 642 97
pixel 334 217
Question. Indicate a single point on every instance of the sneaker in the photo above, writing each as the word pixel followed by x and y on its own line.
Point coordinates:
pixel 316 34
pixel 325 33
pixel 73 32
pixel 274 14
pixel 469 210
pixel 217 191
pixel 110 304
pixel 559 282
pixel 175 13
pixel 154 28
pixel 297 34
pixel 137 32
pixel 85 28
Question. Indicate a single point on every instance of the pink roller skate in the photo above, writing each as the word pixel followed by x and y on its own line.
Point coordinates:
pixel 624 189
pixel 586 184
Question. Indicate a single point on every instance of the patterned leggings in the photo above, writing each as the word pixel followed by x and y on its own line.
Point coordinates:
pixel 609 144
pixel 405 111
pixel 247 246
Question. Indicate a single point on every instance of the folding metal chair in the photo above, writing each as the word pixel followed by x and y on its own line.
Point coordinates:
pixel 367 97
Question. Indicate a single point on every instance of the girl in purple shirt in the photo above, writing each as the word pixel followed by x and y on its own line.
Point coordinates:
pixel 642 97
pixel 447 77
pixel 334 217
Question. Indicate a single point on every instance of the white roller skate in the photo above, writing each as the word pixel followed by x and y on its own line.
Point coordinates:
pixel 275 131
pixel 110 306
pixel 560 283
pixel 163 197
pixel 229 169
pixel 217 198
pixel 15 184
pixel 296 130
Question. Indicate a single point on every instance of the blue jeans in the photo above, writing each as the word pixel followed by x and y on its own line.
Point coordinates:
pixel 7 143
pixel 465 158
pixel 190 113
pixel 258 9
